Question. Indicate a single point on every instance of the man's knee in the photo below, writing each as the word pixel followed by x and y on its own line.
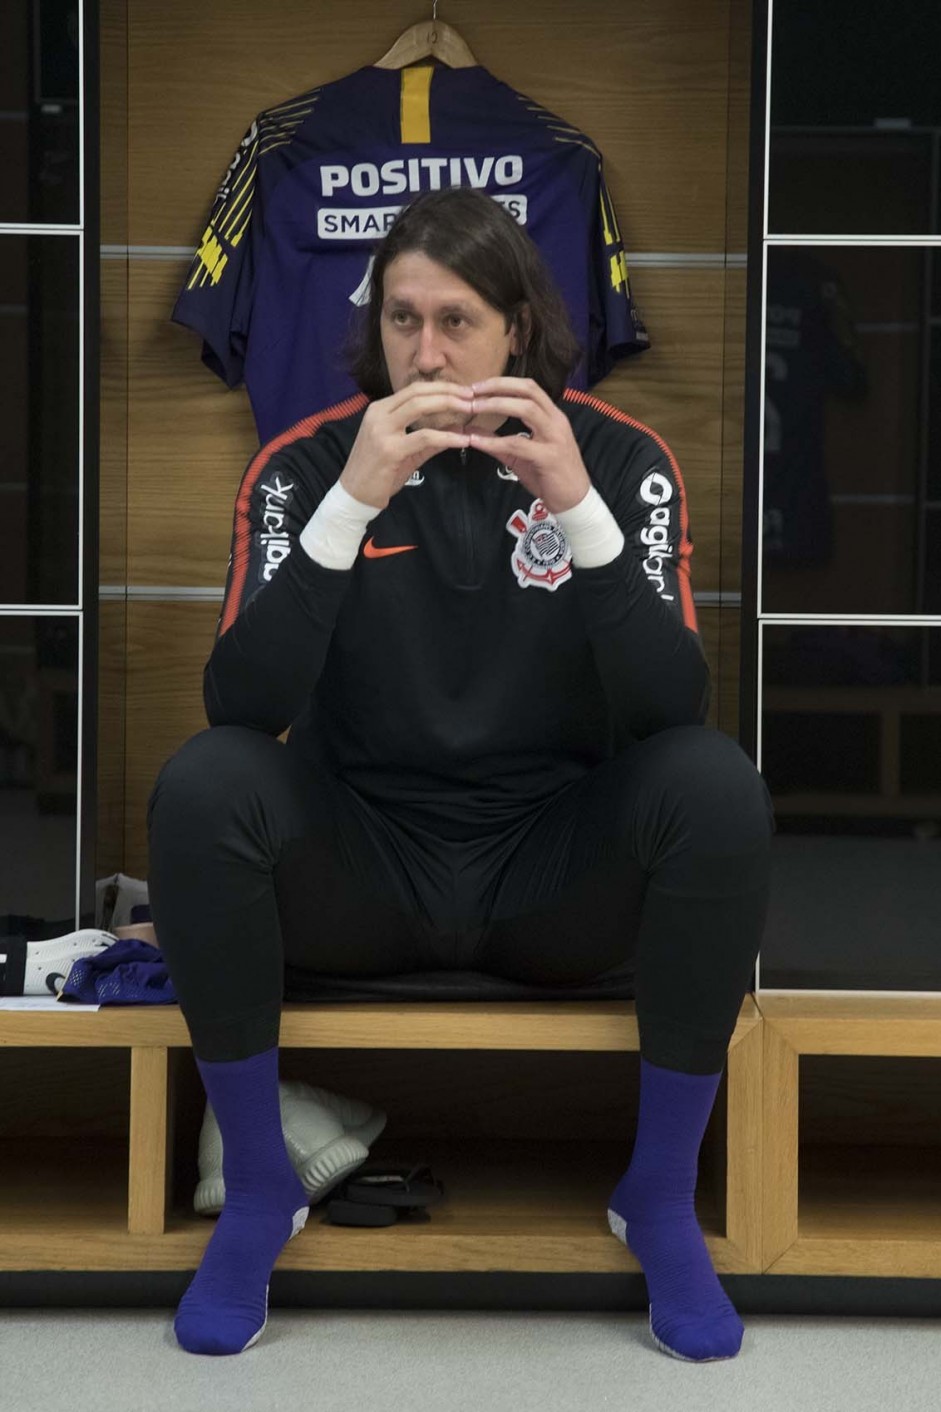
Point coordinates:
pixel 216 764
pixel 723 796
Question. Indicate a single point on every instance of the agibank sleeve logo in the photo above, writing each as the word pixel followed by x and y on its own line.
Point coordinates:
pixel 658 534
pixel 651 510
pixel 268 519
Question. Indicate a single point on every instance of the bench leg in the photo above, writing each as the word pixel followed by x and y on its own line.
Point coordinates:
pixel 148 1159
pixel 744 1149
pixel 780 1143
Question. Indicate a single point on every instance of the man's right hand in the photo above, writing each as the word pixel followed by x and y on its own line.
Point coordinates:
pixel 385 453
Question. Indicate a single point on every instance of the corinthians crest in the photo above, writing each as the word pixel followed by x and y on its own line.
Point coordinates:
pixel 541 555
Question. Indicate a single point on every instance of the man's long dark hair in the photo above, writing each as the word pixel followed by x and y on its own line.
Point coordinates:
pixel 472 235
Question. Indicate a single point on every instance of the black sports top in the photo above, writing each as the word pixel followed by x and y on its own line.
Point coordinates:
pixel 476 670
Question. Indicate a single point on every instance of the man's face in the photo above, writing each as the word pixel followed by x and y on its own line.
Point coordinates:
pixel 435 327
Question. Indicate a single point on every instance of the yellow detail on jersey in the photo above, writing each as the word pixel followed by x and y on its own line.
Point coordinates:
pixel 609 220
pixel 614 221
pixel 280 142
pixel 618 271
pixel 416 114
pixel 546 116
pixel 237 204
pixel 577 142
pixel 211 258
pixel 241 231
pixel 608 237
pixel 305 101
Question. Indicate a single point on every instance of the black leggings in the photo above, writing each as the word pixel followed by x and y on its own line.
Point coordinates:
pixel 659 856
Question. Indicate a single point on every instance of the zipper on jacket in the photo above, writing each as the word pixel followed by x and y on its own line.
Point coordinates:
pixel 468 523
pixel 467 528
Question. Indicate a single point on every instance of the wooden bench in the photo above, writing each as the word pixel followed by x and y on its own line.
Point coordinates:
pixel 525 1113
pixel 823 1154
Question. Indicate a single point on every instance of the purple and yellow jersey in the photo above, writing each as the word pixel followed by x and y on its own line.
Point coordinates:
pixel 283 263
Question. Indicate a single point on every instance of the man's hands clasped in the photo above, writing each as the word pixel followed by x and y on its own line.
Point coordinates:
pixel 548 462
pixel 385 453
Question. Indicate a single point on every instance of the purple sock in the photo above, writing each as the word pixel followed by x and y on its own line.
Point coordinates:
pixel 652 1211
pixel 225 1307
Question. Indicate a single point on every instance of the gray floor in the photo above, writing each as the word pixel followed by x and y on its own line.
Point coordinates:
pixel 349 1361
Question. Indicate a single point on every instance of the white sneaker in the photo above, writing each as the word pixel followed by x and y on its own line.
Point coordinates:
pixel 326 1135
pixel 42 967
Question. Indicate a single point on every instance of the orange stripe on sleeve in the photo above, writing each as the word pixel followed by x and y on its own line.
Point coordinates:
pixel 242 531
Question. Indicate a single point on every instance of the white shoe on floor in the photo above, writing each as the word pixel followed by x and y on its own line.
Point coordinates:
pixel 326 1135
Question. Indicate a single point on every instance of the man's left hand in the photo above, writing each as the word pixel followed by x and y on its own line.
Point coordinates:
pixel 549 462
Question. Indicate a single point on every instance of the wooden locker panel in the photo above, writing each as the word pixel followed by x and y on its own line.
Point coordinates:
pixel 112 682
pixel 168 645
pixel 733 437
pixel 190 440
pixel 719 629
pixel 113 412
pixel 113 61
pixel 739 125
pixel 676 389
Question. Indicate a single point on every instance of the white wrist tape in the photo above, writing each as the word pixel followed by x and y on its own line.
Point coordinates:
pixel 593 533
pixel 335 530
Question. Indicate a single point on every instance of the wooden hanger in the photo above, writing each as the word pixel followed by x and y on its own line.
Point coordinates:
pixel 439 41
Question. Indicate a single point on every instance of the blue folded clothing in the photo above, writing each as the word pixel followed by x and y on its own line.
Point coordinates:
pixel 130 972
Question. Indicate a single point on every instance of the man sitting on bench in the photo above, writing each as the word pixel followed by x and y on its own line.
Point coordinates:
pixel 467 593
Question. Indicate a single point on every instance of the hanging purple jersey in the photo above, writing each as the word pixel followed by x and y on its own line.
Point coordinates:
pixel 284 259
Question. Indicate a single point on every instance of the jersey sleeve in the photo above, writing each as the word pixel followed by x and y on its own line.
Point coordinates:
pixel 280 606
pixel 639 609
pixel 216 298
pixel 653 515
pixel 616 329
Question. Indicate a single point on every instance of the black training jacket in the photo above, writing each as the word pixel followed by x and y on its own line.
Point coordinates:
pixel 475 670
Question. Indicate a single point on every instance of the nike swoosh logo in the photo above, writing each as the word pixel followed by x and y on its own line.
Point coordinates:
pixel 371 552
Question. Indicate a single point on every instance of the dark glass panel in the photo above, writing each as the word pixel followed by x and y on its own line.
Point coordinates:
pixel 933 659
pixel 38 773
pixel 847 478
pixel 39 111
pixel 933 559
pixel 920 754
pixel 39 373
pixel 851 752
pixel 822 750
pixel 848 183
pixel 844 62
pixel 933 479
pixel 842 65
